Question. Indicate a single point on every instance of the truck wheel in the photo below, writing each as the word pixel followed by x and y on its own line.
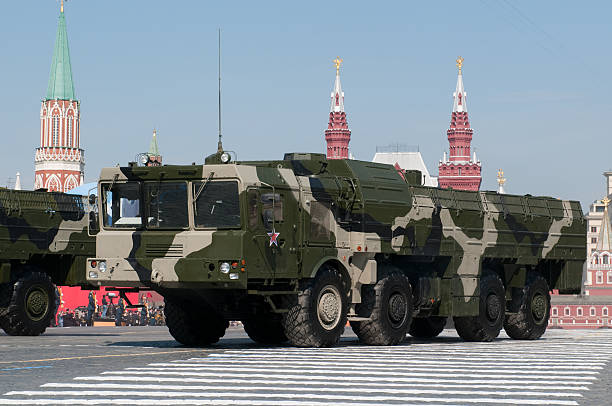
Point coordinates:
pixel 427 327
pixel 193 325
pixel 530 310
pixel 319 316
pixel 265 329
pixel 31 305
pixel 389 306
pixel 492 309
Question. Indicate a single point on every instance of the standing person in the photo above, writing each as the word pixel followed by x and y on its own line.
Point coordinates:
pixel 104 306
pixel 91 308
pixel 119 312
pixel 144 312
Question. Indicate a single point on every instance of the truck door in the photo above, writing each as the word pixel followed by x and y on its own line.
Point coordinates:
pixel 273 222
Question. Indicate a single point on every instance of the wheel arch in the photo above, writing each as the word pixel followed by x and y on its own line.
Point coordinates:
pixel 334 263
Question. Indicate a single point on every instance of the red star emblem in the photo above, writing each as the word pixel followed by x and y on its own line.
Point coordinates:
pixel 273 237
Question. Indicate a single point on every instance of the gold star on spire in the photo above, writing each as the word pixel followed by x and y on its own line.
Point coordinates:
pixel 459 63
pixel 606 201
pixel 62 6
pixel 337 62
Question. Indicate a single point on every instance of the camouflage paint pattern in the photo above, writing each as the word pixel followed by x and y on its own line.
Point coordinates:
pixel 361 217
pixel 45 230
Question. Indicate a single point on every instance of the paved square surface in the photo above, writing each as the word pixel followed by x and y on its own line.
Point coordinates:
pixel 144 366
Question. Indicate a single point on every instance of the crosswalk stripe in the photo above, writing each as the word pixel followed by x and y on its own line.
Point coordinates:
pixel 311 396
pixel 388 366
pixel 250 383
pixel 342 369
pixel 309 379
pixel 270 389
pixel 268 402
pixel 266 371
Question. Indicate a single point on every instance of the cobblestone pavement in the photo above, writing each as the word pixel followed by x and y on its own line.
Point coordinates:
pixel 144 366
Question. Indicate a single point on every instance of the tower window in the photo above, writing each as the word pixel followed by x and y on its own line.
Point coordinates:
pixel 592 310
pixel 69 132
pixel 605 260
pixel 566 311
pixel 579 311
pixel 609 277
pixel 604 311
pixel 55 130
pixel 599 277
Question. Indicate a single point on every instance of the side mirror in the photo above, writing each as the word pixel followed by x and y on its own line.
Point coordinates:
pixel 92 199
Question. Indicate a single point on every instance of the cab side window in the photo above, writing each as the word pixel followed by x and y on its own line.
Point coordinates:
pixel 320 221
pixel 252 199
pixel 271 209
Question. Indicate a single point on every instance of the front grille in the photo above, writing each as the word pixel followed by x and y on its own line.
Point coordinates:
pixel 163 250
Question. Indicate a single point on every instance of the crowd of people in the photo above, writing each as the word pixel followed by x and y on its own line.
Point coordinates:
pixel 109 310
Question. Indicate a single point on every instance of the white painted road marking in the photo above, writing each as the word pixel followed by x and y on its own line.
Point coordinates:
pixel 550 371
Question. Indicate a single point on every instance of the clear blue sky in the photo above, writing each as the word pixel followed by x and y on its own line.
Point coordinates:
pixel 536 74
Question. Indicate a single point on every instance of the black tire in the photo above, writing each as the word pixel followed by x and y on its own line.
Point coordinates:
pixel 427 327
pixel 193 325
pixel 388 304
pixel 530 310
pixel 265 329
pixel 318 316
pixel 6 292
pixel 492 309
pixel 31 305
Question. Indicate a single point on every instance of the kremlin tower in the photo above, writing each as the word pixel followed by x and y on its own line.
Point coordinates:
pixel 460 170
pixel 59 161
pixel 337 134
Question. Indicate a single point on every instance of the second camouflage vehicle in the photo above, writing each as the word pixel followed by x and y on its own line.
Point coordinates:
pixel 296 247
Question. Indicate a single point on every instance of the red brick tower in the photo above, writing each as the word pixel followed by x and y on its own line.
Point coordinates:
pixel 460 170
pixel 59 161
pixel 337 134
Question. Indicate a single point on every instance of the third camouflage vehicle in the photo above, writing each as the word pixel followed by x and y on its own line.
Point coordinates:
pixel 296 247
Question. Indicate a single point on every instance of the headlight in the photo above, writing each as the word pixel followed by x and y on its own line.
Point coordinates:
pixel 93 275
pixel 225 267
pixel 102 266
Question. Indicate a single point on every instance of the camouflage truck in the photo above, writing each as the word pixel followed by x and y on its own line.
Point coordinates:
pixel 44 241
pixel 296 247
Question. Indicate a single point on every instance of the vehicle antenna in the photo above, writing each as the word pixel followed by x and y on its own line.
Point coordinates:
pixel 220 145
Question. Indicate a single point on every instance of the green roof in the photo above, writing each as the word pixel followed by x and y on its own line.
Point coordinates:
pixel 153 149
pixel 60 78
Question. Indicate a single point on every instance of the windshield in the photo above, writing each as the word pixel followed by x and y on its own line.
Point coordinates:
pixel 217 204
pixel 166 205
pixel 121 205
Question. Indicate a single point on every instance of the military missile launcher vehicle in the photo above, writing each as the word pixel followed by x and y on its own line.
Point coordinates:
pixel 296 247
pixel 44 241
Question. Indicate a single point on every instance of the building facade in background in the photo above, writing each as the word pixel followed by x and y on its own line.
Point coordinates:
pixel 592 308
pixel 337 134
pixel 406 158
pixel 460 169
pixel 59 161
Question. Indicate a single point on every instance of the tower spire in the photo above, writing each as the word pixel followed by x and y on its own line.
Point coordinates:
pixel 60 78
pixel 337 96
pixel 604 242
pixel 337 134
pixel 459 97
